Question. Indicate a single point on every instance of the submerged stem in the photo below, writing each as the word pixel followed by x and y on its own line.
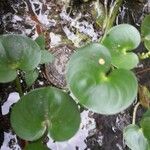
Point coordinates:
pixel 134 112
pixel 18 86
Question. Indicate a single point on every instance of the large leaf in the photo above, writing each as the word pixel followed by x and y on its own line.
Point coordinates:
pixel 97 87
pixel 145 124
pixel 134 138
pixel 145 29
pixel 20 52
pixel 120 40
pixel 45 109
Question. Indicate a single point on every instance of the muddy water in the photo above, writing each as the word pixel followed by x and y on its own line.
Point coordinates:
pixel 68 25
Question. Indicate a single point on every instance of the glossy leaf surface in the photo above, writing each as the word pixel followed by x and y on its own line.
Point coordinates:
pixel 120 40
pixel 19 52
pixel 95 85
pixel 45 108
pixel 134 138
pixel 145 29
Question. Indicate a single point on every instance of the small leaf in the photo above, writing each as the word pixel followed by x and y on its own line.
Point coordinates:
pixel 120 40
pixel 31 76
pixel 6 73
pixel 145 124
pixel 40 40
pixel 20 52
pixel 45 109
pixel 96 87
pixel 46 57
pixel 37 145
pixel 145 30
pixel 134 138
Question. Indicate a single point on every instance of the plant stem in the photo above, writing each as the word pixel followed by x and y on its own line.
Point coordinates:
pixel 143 71
pixel 18 86
pixel 110 18
pixel 134 112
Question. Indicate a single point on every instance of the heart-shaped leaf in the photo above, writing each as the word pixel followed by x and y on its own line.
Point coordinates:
pixel 20 52
pixel 145 124
pixel 120 40
pixel 6 73
pixel 95 85
pixel 31 76
pixel 145 30
pixel 134 138
pixel 45 109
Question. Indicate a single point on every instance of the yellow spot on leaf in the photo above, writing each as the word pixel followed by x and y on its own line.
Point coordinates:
pixel 101 61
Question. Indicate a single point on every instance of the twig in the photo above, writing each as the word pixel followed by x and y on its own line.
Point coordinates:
pixel 142 71
pixel 134 112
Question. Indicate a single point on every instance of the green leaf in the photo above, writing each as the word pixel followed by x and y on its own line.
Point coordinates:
pixel 20 52
pixel 145 30
pixel 45 109
pixel 37 145
pixel 7 74
pixel 31 76
pixel 40 40
pixel 126 61
pixel 96 87
pixel 120 40
pixel 145 124
pixel 3 56
pixel 46 57
pixel 134 138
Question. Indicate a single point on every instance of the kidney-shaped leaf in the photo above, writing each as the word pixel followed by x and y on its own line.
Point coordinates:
pixel 134 138
pixel 97 87
pixel 145 29
pixel 120 40
pixel 20 52
pixel 45 108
